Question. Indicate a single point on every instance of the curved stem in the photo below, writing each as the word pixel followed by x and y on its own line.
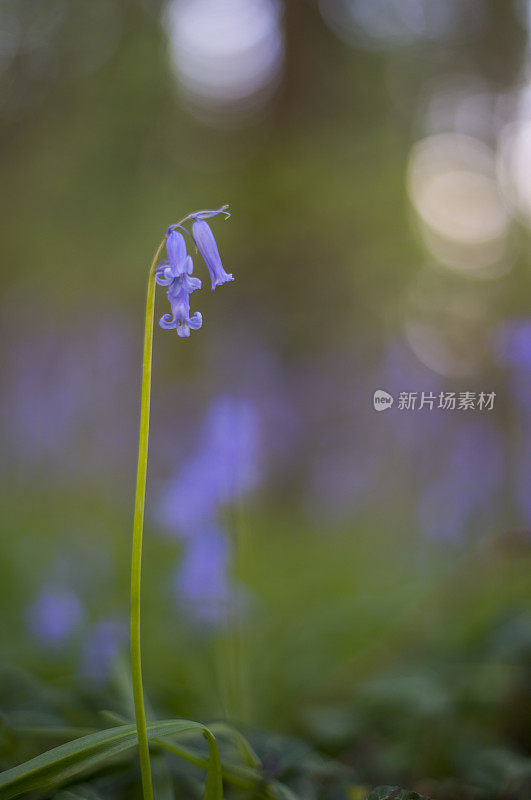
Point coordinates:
pixel 138 526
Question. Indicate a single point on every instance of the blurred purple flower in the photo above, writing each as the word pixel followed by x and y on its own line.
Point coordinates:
pixel 251 369
pixel 202 582
pixel 346 471
pixel 522 480
pixel 401 371
pixel 341 480
pixel 60 387
pixel 101 648
pixel 225 466
pixel 470 476
pixel 206 244
pixel 512 343
pixel 54 616
pixel 513 346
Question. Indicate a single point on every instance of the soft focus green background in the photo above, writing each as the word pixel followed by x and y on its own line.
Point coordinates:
pixel 376 159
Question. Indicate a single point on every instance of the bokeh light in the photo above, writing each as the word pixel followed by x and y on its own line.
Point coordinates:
pixel 515 167
pixel 453 187
pixel 444 322
pixel 464 103
pixel 227 54
pixel 395 23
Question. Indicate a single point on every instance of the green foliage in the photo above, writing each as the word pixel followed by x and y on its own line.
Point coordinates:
pixel 101 755
pixel 81 792
pixel 61 764
pixel 394 793
pixel 426 723
pixel 214 780
pixel 449 723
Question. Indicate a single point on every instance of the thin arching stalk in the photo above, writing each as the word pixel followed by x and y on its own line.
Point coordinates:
pixel 138 526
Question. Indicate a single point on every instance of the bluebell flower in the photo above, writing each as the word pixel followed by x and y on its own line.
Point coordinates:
pixel 206 244
pixel 176 249
pixel 176 274
pixel 180 318
pixel 176 271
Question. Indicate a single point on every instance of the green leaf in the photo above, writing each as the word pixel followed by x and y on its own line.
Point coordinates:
pixel 241 743
pixel 232 773
pixel 394 793
pixel 214 779
pixel 243 777
pixel 280 791
pixel 81 791
pixel 53 732
pixel 62 763
pixel 162 780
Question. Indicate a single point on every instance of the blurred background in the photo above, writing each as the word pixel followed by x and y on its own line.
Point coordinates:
pixel 358 579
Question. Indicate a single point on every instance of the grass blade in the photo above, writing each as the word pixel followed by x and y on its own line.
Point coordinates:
pixel 240 742
pixel 214 779
pixel 60 764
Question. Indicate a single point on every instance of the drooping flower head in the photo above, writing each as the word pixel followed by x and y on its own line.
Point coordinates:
pixel 180 318
pixel 176 271
pixel 176 274
pixel 206 244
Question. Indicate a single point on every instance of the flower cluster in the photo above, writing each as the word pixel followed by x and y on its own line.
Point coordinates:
pixel 176 271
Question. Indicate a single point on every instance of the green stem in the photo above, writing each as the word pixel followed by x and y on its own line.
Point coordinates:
pixel 138 526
